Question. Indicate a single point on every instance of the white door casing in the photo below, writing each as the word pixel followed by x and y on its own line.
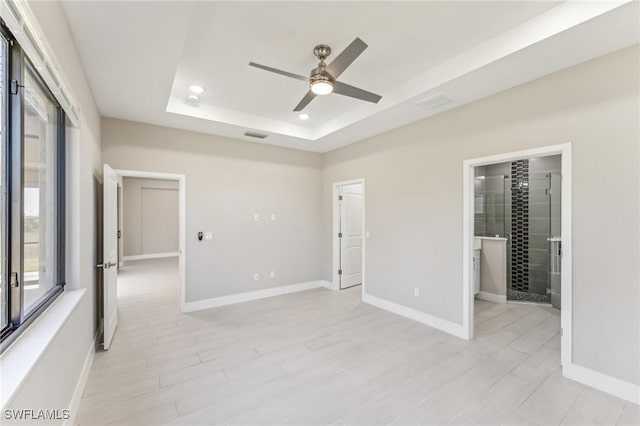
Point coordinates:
pixel 110 254
pixel 351 209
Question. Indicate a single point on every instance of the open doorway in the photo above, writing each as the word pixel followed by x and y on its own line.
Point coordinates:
pixel 349 234
pixel 147 225
pixel 517 246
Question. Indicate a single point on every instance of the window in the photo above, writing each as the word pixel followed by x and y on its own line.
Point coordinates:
pixel 32 192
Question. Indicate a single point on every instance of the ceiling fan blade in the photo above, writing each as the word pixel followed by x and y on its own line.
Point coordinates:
pixel 354 92
pixel 346 57
pixel 277 71
pixel 305 101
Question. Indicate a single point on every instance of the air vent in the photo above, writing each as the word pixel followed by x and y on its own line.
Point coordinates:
pixel 433 102
pixel 256 135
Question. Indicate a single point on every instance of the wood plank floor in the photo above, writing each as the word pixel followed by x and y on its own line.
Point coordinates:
pixel 323 357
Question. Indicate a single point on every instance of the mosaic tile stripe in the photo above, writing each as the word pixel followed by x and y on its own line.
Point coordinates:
pixel 520 225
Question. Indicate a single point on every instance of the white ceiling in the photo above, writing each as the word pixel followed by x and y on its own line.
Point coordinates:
pixel 141 57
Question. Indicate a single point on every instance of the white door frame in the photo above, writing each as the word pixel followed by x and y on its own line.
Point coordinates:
pixel 336 229
pixel 182 215
pixel 468 233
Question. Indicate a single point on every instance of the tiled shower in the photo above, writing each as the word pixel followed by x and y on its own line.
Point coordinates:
pixel 520 201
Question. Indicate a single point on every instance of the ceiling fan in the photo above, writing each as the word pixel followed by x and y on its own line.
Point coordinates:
pixel 323 78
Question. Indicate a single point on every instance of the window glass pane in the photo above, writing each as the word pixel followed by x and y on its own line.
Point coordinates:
pixel 39 194
pixel 4 313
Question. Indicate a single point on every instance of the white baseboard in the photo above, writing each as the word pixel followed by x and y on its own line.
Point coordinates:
pixel 150 256
pixel 608 384
pixel 250 295
pixel 491 297
pixel 330 285
pixel 76 398
pixel 435 322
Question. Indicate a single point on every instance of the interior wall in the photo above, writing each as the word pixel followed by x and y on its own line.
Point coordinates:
pixel 150 216
pixel 52 381
pixel 229 181
pixel 414 199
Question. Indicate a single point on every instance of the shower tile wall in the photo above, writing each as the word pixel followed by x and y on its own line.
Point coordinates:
pixel 495 209
pixel 498 200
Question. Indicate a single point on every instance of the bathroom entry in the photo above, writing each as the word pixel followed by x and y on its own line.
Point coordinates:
pixel 517 215
pixel 349 238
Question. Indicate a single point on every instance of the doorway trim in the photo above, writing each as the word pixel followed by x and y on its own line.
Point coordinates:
pixel 182 215
pixel 468 232
pixel 336 227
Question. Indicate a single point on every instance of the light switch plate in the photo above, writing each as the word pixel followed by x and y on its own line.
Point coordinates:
pixel 273 274
pixel 273 217
pixel 256 277
pixel 208 236
pixel 256 217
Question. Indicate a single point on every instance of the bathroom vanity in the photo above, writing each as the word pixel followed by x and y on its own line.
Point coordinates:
pixel 492 268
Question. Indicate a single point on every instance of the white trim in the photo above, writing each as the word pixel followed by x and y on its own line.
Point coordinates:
pixel 468 234
pixel 22 356
pixel 335 229
pixel 76 398
pixel 232 299
pixel 182 219
pixel 611 385
pixel 404 311
pixel 330 285
pixel 491 297
pixel 26 29
pixel 150 256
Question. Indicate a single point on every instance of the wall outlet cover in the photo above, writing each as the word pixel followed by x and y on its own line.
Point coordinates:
pixel 256 277
pixel 273 274
pixel 256 217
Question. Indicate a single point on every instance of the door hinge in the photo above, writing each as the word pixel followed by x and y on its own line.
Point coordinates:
pixel 14 280
pixel 14 87
pixel 339 234
pixel 339 197
pixel 119 234
pixel 339 271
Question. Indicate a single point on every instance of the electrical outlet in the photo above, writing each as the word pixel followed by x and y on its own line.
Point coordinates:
pixel 256 276
pixel 273 274
pixel 416 292
pixel 256 217
pixel 273 217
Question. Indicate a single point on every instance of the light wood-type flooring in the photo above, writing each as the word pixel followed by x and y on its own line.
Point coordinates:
pixel 323 357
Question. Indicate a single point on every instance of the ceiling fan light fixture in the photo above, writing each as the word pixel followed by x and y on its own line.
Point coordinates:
pixel 303 116
pixel 322 86
pixel 193 98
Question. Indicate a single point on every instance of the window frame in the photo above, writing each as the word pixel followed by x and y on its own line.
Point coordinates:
pixel 18 317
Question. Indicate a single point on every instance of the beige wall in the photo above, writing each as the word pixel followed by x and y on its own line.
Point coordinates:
pixel 414 199
pixel 150 216
pixel 227 182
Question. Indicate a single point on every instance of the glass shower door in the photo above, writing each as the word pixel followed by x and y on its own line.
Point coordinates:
pixel 539 233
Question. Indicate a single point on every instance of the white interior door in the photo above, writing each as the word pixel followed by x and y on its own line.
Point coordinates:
pixel 110 245
pixel 351 209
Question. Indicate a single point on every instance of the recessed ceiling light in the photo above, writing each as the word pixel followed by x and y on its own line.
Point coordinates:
pixel 303 116
pixel 193 98
pixel 198 90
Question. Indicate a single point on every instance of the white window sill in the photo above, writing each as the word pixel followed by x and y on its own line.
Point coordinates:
pixel 19 359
